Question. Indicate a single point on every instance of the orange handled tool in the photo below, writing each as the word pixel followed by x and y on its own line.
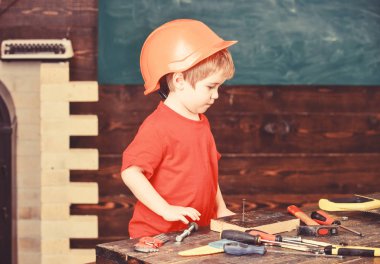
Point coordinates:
pixel 324 218
pixel 294 210
pixel 266 236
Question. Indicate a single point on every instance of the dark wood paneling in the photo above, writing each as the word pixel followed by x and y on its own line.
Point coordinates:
pixel 261 173
pixel 348 120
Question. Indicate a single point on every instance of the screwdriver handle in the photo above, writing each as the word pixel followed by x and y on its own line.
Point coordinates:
pixel 294 210
pixel 240 236
pixel 352 251
pixel 239 249
pixel 265 236
pixel 323 218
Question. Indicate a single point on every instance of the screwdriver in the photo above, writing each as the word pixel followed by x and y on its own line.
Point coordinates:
pixel 246 238
pixel 292 240
pixel 325 219
pixel 352 251
pixel 297 212
pixel 239 249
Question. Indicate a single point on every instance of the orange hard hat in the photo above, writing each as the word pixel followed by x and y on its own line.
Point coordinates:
pixel 175 47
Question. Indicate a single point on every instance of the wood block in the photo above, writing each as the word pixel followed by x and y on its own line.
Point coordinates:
pixel 261 220
pixel 83 159
pixel 55 258
pixel 54 194
pixel 55 141
pixel 55 211
pixel 83 192
pixel 54 160
pixel 51 177
pixel 54 92
pixel 55 245
pixel 83 125
pixel 55 110
pixel 54 72
pixel 55 229
pixel 83 91
pixel 83 226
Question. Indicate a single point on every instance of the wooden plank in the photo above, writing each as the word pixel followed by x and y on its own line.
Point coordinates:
pixel 283 173
pixel 270 133
pixel 47 14
pixel 252 129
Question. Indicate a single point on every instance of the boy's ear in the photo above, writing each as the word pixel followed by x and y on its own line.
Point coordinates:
pixel 178 80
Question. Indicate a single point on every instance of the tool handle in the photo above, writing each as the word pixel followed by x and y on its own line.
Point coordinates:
pixel 240 236
pixel 323 218
pixel 238 249
pixel 294 210
pixel 352 251
pixel 265 236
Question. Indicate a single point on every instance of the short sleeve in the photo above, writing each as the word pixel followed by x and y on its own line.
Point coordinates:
pixel 145 151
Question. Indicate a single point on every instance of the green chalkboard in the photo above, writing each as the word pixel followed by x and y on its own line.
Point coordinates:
pixel 280 41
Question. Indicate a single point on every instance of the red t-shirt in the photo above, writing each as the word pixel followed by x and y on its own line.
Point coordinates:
pixel 180 159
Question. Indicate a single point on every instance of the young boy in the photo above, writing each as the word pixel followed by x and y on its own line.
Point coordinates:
pixel 171 166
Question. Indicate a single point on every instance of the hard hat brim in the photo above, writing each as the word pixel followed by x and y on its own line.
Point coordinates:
pixel 190 61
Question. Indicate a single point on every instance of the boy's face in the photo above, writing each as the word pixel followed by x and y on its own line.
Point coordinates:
pixel 199 98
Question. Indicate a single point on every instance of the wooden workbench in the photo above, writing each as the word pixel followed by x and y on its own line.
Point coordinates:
pixel 121 252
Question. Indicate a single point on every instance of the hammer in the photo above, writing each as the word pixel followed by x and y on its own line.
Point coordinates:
pixel 187 232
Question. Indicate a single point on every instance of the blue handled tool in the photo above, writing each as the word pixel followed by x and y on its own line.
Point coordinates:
pixel 239 249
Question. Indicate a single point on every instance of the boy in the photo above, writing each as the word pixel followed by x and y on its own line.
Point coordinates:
pixel 171 166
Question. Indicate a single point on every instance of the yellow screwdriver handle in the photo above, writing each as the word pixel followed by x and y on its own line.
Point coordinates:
pixel 352 251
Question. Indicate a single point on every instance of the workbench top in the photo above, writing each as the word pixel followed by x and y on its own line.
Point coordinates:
pixel 121 252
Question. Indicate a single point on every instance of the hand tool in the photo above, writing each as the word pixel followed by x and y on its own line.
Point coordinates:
pixel 318 230
pixel 246 238
pixel 151 244
pixel 325 219
pixel 297 212
pixel 352 251
pixel 356 203
pixel 292 240
pixel 239 249
pixel 187 232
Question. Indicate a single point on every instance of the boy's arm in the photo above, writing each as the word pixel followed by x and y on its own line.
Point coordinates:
pixel 143 190
pixel 221 208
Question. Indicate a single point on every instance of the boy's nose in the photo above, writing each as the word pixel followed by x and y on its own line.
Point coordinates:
pixel 215 95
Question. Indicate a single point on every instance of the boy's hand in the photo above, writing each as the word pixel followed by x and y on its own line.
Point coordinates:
pixel 178 213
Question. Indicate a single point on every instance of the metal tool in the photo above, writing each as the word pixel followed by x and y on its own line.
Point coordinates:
pixel 325 219
pixel 318 230
pixel 187 232
pixel 151 244
pixel 246 238
pixel 292 240
pixel 297 212
pixel 239 249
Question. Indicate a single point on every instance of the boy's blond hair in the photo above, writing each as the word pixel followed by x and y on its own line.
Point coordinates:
pixel 221 60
